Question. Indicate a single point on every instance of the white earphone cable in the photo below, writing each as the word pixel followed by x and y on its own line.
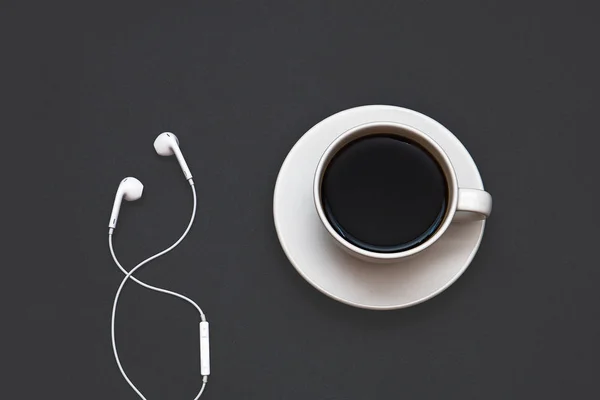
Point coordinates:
pixel 129 275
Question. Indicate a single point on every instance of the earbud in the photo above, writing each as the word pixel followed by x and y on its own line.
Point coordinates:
pixel 130 189
pixel 167 144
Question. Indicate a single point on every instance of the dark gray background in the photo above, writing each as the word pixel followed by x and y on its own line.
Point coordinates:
pixel 87 87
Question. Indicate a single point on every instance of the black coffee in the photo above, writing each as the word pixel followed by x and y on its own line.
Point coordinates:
pixel 384 193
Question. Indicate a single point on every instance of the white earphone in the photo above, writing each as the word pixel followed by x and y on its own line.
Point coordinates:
pixel 131 189
pixel 167 144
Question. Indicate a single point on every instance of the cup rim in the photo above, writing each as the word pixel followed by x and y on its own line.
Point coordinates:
pixel 405 131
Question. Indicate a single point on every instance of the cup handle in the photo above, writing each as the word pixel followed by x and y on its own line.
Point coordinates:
pixel 473 205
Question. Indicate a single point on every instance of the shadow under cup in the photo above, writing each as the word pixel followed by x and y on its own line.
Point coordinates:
pixel 384 191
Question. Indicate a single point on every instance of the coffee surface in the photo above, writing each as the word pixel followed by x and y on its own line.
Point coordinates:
pixel 384 194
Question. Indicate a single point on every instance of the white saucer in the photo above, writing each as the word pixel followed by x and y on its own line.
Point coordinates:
pixel 342 277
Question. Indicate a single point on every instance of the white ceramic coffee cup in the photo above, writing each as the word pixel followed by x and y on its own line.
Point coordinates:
pixel 463 204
